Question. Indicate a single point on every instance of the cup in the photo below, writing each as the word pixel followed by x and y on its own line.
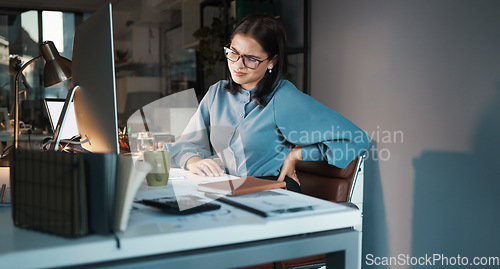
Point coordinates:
pixel 160 163
pixel 145 141
pixel 161 139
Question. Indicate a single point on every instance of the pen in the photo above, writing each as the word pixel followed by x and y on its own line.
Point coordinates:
pixel 292 210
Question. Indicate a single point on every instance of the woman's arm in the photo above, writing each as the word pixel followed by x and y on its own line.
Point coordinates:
pixel 322 133
pixel 195 141
pixel 288 168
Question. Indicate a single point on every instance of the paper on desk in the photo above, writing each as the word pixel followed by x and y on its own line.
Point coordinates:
pixel 279 202
pixel 190 185
pixel 129 180
pixel 153 220
pixel 179 172
pixel 173 174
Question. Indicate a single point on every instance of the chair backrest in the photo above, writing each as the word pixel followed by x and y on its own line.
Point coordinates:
pixel 136 100
pixel 321 180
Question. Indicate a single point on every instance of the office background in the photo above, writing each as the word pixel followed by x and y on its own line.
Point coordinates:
pixel 430 69
pixel 159 44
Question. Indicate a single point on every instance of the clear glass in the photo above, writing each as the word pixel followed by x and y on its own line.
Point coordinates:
pixel 145 142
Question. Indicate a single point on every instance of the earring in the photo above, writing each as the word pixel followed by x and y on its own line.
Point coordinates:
pixel 270 70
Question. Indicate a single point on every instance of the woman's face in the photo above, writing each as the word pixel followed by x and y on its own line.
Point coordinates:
pixel 247 46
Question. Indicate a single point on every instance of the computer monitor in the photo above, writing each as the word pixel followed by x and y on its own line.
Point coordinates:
pixel 54 107
pixel 93 71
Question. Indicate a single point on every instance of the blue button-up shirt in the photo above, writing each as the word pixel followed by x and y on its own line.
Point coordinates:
pixel 248 139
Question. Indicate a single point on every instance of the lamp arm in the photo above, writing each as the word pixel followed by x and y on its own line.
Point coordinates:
pixel 62 118
pixel 16 104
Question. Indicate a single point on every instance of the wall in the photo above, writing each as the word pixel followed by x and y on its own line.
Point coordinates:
pixel 423 79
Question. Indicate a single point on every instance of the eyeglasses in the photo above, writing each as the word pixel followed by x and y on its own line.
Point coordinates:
pixel 248 61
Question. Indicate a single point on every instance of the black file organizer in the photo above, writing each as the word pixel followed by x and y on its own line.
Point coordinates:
pixel 66 194
pixel 48 192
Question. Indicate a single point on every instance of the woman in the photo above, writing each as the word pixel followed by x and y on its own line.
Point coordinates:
pixel 256 123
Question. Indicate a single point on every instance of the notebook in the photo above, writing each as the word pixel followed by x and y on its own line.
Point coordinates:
pixel 240 186
pixel 54 108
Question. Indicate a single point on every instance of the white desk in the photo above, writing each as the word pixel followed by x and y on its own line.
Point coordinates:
pixel 208 240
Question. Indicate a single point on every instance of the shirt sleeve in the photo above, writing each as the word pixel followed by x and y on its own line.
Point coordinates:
pixel 194 140
pixel 322 133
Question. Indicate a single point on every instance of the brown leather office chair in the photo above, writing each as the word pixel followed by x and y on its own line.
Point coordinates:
pixel 324 181
pixel 328 182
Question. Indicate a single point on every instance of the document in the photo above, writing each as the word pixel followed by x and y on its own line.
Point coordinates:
pixel 278 203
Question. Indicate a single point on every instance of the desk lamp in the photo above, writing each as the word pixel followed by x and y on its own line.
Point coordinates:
pixel 57 69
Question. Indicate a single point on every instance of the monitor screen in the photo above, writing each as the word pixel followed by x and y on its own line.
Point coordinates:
pixel 54 108
pixel 93 71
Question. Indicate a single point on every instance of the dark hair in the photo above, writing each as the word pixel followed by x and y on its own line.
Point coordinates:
pixel 270 34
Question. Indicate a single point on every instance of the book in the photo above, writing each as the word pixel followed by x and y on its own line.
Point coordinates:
pixel 101 173
pixel 113 182
pixel 130 177
pixel 240 186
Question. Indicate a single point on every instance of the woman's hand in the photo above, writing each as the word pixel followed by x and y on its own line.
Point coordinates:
pixel 204 167
pixel 288 168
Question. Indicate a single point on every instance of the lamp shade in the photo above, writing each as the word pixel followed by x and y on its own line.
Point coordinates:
pixel 57 68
